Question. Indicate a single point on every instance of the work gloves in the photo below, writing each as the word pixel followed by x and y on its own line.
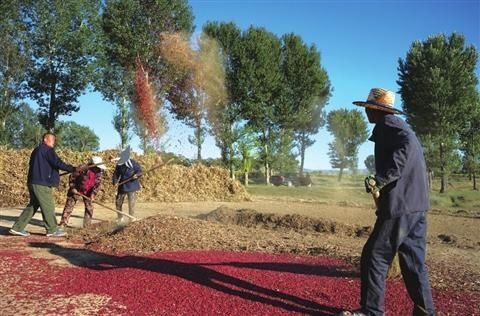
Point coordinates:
pixel 372 185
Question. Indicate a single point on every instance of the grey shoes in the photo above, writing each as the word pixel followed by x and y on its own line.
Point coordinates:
pixel 58 233
pixel 22 233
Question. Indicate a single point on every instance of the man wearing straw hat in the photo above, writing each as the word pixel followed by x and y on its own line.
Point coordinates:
pixel 401 180
pixel 87 183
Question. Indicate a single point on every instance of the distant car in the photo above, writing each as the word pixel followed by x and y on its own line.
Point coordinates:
pixel 281 180
pixel 277 180
pixel 291 180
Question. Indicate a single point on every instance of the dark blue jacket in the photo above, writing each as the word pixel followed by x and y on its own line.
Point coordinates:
pixel 124 172
pixel 44 165
pixel 400 169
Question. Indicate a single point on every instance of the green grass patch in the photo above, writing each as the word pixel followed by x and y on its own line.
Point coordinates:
pixel 327 188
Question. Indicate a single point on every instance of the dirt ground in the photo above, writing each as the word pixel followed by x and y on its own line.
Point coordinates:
pixel 453 242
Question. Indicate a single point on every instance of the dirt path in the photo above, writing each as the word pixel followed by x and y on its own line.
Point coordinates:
pixel 460 228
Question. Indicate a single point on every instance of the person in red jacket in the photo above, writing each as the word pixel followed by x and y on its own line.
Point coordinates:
pixel 86 183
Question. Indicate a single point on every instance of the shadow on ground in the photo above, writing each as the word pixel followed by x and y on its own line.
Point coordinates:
pixel 203 275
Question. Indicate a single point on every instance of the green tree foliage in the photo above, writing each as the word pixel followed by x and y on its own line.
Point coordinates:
pixel 131 30
pixel 63 37
pixel 306 90
pixel 438 87
pixel 247 145
pixel 277 86
pixel 22 129
pixel 116 86
pixel 470 143
pixel 283 158
pixel 123 122
pixel 259 88
pixel 449 150
pixel 187 106
pixel 76 137
pixel 200 92
pixel 370 164
pixel 224 121
pixel 147 143
pixel 349 130
pixel 13 60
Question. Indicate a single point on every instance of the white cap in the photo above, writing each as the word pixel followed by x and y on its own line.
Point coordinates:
pixel 98 161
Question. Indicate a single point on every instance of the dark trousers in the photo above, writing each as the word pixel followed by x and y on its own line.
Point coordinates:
pixel 131 202
pixel 68 209
pixel 405 234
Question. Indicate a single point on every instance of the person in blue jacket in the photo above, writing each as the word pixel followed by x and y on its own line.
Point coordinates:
pixel 128 171
pixel 401 225
pixel 42 177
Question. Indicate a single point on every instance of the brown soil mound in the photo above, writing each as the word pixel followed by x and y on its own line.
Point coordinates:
pixel 299 223
pixel 172 183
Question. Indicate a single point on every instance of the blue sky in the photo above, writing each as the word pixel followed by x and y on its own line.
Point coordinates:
pixel 360 43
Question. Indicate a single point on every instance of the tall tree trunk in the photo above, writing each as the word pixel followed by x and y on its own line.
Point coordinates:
pixel 267 173
pixel 199 143
pixel 3 134
pixel 340 174
pixel 430 179
pixel 443 185
pixel 231 151
pixel 267 166
pixel 231 166
pixel 302 153
pixel 124 127
pixel 474 178
pixel 246 179
pixel 221 144
pixel 51 110
pixel 5 103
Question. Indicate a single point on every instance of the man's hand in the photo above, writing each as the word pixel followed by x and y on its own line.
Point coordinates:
pixel 74 191
pixel 371 184
pixel 92 197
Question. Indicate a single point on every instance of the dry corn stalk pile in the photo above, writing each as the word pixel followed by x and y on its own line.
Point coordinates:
pixel 173 233
pixel 172 183
pixel 296 222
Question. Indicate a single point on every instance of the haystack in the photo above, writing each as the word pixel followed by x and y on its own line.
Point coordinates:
pixel 172 183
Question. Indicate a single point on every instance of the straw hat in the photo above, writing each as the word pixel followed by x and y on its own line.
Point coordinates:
pixel 98 162
pixel 380 99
